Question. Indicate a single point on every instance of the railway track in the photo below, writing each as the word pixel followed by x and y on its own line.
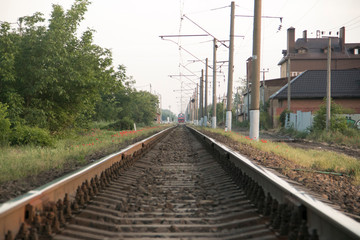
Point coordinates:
pixel 187 186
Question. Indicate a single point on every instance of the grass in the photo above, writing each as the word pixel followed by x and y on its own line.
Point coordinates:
pixel 23 161
pixel 305 158
pixel 351 137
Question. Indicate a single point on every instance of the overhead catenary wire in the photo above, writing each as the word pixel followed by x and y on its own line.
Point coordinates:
pixel 205 30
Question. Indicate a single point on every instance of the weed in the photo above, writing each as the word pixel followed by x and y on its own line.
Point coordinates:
pixel 17 162
pixel 311 159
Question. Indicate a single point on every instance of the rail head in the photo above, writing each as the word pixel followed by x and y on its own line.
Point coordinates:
pixel 326 221
pixel 15 212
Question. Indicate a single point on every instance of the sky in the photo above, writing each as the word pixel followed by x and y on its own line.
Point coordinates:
pixel 131 29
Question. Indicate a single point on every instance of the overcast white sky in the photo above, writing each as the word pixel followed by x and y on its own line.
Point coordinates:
pixel 131 29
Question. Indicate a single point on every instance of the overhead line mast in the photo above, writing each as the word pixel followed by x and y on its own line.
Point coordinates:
pixel 255 74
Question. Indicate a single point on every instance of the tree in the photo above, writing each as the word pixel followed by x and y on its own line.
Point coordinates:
pixel 165 114
pixel 220 113
pixel 8 86
pixel 54 78
pixel 4 125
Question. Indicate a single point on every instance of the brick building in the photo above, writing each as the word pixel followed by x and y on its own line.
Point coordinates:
pixel 311 53
pixel 270 87
pixel 308 91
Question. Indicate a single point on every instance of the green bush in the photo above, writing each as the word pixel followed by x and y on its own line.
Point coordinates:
pixel 337 122
pixel 283 117
pixel 4 124
pixel 25 135
pixel 265 121
pixel 243 124
pixel 350 137
pixel 123 124
pixel 294 133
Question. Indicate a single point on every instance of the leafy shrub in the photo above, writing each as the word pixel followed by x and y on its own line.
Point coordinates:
pixel 337 122
pixel 265 121
pixel 243 124
pixel 283 117
pixel 122 124
pixel 4 124
pixel 25 135
pixel 294 133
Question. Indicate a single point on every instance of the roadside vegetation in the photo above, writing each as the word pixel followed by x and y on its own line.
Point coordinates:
pixel 74 151
pixel 55 83
pixel 54 80
pixel 312 160
pixel 340 131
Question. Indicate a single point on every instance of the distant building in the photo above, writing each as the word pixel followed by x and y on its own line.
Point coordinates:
pixel 311 53
pixel 308 91
pixel 269 88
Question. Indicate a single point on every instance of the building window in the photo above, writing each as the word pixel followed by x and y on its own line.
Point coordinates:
pixel 356 51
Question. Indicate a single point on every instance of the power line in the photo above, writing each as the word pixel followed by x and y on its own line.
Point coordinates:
pixel 204 30
pixel 184 35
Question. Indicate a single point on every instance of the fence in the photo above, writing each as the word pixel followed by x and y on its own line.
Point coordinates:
pixel 300 121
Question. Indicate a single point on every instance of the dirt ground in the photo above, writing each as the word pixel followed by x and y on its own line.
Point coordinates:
pixel 339 190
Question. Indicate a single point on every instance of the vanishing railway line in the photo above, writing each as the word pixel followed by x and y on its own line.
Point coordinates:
pixel 187 186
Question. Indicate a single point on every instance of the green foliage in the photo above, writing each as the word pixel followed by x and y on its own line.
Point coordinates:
pixel 220 113
pixel 350 137
pixel 124 124
pixel 49 76
pixel 53 77
pixel 4 125
pixel 337 122
pixel 243 124
pixel 294 133
pixel 265 120
pixel 25 135
pixel 123 101
pixel 283 117
pixel 165 113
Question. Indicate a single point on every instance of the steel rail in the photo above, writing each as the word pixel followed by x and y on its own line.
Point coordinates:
pixel 327 222
pixel 22 210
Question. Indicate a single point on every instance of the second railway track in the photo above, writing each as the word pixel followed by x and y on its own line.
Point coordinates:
pixel 177 190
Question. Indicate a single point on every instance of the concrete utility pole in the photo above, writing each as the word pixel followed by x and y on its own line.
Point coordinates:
pixel 255 74
pixel 201 97
pixel 206 92
pixel 288 84
pixel 213 120
pixel 231 70
pixel 328 87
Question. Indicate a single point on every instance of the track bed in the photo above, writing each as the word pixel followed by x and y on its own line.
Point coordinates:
pixel 177 190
